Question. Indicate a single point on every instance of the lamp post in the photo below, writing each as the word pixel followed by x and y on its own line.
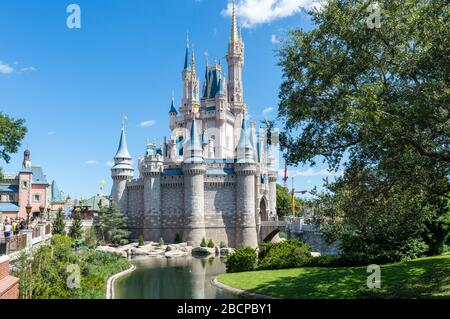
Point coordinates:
pixel 28 210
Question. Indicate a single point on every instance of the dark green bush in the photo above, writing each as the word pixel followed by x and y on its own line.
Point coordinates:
pixel 177 239
pixel 243 259
pixel 141 241
pixel 223 245
pixel 161 242
pixel 203 243
pixel 287 254
pixel 211 244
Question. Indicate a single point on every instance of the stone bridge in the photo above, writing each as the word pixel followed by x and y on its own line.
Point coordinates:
pixel 270 229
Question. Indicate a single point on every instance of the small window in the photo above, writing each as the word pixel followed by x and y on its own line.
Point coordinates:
pixel 25 184
pixel 36 198
pixel 11 197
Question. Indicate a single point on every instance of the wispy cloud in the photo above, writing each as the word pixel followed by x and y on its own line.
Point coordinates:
pixel 148 123
pixel 51 133
pixel 267 111
pixel 256 12
pixel 5 68
pixel 29 69
pixel 91 162
pixel 310 172
pixel 110 163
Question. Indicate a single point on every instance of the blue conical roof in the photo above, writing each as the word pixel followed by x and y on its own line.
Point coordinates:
pixel 172 108
pixel 195 137
pixel 122 151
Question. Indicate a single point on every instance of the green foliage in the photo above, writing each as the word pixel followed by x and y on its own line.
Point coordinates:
pixel 203 244
pixel 437 230
pixel 223 245
pixel 59 223
pixel 284 202
pixel 211 244
pixel 177 239
pixel 243 259
pixel 112 226
pixel 90 238
pixel 161 242
pixel 141 241
pixel 76 230
pixel 287 254
pixel 11 134
pixel 44 274
pixel 373 102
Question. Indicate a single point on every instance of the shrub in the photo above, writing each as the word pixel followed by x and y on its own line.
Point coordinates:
pixel 243 259
pixel 141 241
pixel 161 242
pixel 288 254
pixel 223 245
pixel 211 244
pixel 91 237
pixel 203 243
pixel 177 239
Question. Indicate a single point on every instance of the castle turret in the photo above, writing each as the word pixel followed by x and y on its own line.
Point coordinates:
pixel 172 115
pixel 194 170
pixel 152 168
pixel 26 159
pixel 122 172
pixel 235 59
pixel 185 77
pixel 245 170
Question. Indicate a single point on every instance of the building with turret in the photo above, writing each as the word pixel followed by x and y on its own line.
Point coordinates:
pixel 214 177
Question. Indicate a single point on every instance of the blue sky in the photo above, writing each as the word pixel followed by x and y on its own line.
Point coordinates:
pixel 73 85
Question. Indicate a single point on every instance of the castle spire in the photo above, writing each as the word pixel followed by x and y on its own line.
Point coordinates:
pixel 186 59
pixel 122 151
pixel 193 61
pixel 234 31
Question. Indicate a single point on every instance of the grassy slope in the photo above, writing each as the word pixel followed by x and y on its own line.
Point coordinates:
pixel 420 278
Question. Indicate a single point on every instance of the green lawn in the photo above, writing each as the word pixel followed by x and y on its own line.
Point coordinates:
pixel 420 278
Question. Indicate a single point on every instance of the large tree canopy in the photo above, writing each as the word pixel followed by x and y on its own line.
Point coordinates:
pixel 11 134
pixel 375 100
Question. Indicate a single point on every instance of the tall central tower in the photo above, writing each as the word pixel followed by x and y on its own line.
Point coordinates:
pixel 235 60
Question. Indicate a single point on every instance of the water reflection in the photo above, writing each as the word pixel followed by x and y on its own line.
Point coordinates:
pixel 177 278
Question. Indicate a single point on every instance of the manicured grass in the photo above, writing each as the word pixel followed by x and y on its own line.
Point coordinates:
pixel 420 278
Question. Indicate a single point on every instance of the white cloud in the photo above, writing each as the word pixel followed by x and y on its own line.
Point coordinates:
pixel 148 123
pixel 29 69
pixel 5 68
pixel 51 133
pixel 91 162
pixel 310 172
pixel 274 39
pixel 267 111
pixel 110 163
pixel 254 12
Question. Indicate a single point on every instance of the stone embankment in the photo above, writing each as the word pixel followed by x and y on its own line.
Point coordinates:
pixel 152 249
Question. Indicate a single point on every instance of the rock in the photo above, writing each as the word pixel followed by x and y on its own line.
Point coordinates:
pixel 187 249
pixel 172 248
pixel 226 251
pixel 139 252
pixel 203 251
pixel 156 253
pixel 217 249
pixel 108 249
pixel 316 254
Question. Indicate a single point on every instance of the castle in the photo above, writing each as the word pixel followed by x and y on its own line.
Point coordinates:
pixel 215 177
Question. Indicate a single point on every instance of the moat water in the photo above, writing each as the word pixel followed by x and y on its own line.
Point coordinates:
pixel 177 278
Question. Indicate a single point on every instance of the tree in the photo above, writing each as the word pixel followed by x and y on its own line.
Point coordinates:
pixel 11 134
pixel 284 202
pixel 375 102
pixel 76 230
pixel 59 224
pixel 112 226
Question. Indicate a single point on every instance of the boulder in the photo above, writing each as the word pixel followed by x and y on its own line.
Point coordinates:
pixel 140 252
pixel 108 249
pixel 203 251
pixel 175 254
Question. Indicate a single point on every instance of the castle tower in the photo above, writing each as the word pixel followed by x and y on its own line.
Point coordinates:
pixel 192 103
pixel 245 170
pixel 122 172
pixel 186 77
pixel 152 168
pixel 235 59
pixel 172 115
pixel 26 159
pixel 194 170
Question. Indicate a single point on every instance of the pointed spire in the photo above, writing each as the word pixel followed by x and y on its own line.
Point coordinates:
pixel 244 147
pixel 173 109
pixel 193 60
pixel 186 59
pixel 234 32
pixel 122 151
